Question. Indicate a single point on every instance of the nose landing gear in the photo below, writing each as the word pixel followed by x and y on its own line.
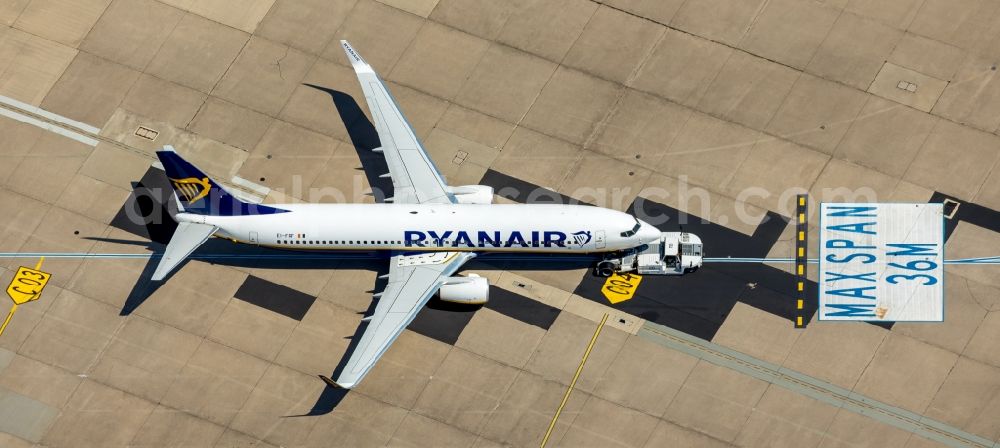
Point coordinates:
pixel 604 269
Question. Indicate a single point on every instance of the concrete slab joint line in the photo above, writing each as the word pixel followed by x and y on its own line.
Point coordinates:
pixel 812 387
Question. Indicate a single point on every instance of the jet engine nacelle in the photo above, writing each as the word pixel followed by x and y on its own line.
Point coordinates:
pixel 473 194
pixel 471 290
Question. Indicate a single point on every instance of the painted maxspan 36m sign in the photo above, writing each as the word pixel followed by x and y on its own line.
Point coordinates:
pixel 881 262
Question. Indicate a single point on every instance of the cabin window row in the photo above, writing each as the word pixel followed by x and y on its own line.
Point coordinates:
pixel 327 242
pixel 308 242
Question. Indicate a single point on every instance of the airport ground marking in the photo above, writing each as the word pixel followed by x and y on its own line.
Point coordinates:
pixel 41 118
pixel 91 135
pixel 620 287
pixel 572 384
pixel 801 257
pixel 26 286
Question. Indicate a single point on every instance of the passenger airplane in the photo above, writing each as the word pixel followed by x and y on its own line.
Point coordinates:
pixel 431 229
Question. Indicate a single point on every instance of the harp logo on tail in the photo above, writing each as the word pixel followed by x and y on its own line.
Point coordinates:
pixel 192 188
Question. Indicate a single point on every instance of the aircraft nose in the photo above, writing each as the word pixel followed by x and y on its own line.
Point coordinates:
pixel 648 233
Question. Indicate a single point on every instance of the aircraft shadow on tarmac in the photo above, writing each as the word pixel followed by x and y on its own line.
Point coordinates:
pixel 365 139
pixel 147 213
pixel 698 305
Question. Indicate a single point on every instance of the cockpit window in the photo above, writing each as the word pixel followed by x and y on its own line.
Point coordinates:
pixel 635 229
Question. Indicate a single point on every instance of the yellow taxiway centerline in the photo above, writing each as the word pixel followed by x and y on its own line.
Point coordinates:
pixel 6 321
pixel 572 384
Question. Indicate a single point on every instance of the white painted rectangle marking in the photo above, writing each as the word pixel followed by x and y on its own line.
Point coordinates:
pixel 51 116
pixel 48 127
pixel 881 262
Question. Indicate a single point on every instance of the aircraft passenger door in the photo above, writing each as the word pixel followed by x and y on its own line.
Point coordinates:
pixel 599 239
pixel 253 237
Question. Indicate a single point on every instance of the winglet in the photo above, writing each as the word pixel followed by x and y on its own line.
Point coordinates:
pixel 356 60
pixel 334 384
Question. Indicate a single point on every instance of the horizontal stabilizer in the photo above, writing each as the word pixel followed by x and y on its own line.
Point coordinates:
pixel 186 239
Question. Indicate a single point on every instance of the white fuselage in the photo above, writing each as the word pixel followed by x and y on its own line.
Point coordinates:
pixel 457 227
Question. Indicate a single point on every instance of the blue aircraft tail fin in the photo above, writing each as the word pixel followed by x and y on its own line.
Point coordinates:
pixel 197 193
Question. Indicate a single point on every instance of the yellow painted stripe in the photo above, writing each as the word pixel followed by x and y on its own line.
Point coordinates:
pixel 802 251
pixel 802 236
pixel 39 265
pixel 799 304
pixel 798 321
pixel 801 286
pixel 801 267
pixel 576 376
pixel 7 320
pixel 802 217
pixel 802 200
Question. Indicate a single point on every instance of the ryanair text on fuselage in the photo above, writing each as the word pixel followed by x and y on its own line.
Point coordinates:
pixel 461 238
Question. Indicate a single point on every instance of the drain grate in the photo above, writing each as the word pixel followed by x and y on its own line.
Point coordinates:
pixel 907 86
pixel 146 133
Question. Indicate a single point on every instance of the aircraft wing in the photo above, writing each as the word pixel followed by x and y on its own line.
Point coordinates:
pixel 413 279
pixel 414 177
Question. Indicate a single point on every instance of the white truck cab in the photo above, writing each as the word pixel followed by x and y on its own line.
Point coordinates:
pixel 675 253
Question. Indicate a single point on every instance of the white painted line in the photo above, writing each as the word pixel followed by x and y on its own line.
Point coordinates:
pixel 245 196
pixel 255 187
pixel 51 116
pixel 48 127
